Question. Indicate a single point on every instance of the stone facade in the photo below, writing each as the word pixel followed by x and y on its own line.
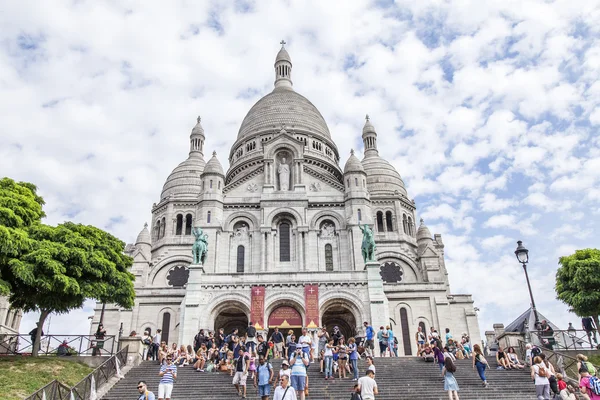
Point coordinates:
pixel 283 216
pixel 10 318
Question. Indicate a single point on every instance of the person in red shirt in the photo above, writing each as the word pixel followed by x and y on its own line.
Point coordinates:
pixel 561 383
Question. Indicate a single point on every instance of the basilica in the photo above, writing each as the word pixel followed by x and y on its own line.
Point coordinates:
pixel 283 233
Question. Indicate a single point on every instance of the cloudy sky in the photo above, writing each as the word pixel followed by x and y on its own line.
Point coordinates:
pixel 488 109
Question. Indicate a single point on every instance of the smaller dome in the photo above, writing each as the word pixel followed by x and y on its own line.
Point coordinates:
pixel 185 178
pixel 353 164
pixel 283 55
pixel 423 232
pixel 213 166
pixel 144 236
pixel 368 128
pixel 198 129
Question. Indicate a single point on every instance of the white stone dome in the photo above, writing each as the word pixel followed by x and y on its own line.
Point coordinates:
pixel 423 232
pixel 213 166
pixel 144 236
pixel 283 106
pixel 185 180
pixel 382 177
pixel 353 164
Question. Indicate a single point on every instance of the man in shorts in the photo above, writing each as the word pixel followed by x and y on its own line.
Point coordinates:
pixel 168 375
pixel 242 364
pixel 298 363
pixel 277 339
pixel 145 394
pixel 368 386
pixel 369 335
pixel 264 374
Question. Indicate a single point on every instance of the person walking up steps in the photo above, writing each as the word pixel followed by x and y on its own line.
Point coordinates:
pixel 242 365
pixel 480 363
pixel 368 386
pixel 450 383
pixel 369 335
pixel 168 375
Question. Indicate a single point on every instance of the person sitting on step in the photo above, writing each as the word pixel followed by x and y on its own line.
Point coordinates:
pixel 502 359
pixel 514 359
pixel 427 353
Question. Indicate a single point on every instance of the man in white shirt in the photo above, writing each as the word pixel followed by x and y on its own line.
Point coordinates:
pixel 368 386
pixel 305 341
pixel 284 391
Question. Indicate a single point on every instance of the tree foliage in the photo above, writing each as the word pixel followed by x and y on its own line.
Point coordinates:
pixel 56 268
pixel 578 282
pixel 20 207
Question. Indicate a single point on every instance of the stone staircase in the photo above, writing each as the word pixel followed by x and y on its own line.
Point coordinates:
pixel 397 378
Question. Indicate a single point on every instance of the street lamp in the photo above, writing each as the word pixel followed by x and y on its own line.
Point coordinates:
pixel 523 256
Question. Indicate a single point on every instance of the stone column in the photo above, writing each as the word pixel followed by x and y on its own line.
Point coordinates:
pixel 263 252
pixel 134 351
pixel 378 302
pixel 190 306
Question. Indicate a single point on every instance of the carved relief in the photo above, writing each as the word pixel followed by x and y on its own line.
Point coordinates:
pixel 327 230
pixel 315 187
pixel 252 187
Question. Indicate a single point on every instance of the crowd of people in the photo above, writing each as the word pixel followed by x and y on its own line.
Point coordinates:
pixel 250 355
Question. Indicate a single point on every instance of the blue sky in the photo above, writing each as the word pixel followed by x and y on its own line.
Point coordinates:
pixel 489 111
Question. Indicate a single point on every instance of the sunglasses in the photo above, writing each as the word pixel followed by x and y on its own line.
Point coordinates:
pixel 140 387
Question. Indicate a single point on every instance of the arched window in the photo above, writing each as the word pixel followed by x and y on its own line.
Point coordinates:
pixel 328 257
pixel 379 221
pixel 359 216
pixel 7 316
pixel 404 223
pixel 241 253
pixel 179 224
pixel 348 182
pixel 410 226
pixel 422 325
pixel 208 217
pixel 388 221
pixel 166 326
pixel 219 185
pixel 210 184
pixel 406 340
pixel 355 181
pixel 162 227
pixel 284 242
pixel 188 224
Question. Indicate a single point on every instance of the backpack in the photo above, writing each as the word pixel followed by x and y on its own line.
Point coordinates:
pixel 228 339
pixel 251 332
pixel 536 351
pixel 590 367
pixel 542 372
pixel 594 384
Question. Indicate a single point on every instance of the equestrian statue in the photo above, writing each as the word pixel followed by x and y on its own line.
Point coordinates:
pixel 368 244
pixel 200 247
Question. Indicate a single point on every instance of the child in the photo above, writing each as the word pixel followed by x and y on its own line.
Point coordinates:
pixel 560 382
pixel 439 356
pixel 252 365
pixel 270 350
pixel 230 366
pixel 450 383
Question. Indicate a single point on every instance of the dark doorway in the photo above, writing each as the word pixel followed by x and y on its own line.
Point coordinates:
pixel 166 327
pixel 339 315
pixel 405 332
pixel 230 319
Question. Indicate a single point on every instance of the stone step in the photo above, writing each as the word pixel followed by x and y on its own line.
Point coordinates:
pixel 406 378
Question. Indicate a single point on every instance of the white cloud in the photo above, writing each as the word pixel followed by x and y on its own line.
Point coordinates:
pixel 489 202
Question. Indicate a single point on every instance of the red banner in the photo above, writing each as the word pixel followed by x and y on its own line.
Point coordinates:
pixel 311 300
pixel 257 306
pixel 285 317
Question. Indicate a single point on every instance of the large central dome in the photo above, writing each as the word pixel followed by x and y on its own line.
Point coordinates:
pixel 283 106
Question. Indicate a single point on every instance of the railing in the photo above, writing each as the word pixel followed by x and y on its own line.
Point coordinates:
pixel 63 345
pixel 87 387
pixel 563 339
pixel 54 390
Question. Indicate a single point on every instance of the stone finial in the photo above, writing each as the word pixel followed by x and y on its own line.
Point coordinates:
pixel 145 225
pixel 366 118
pixel 214 153
pixel 422 222
pixel 198 119
pixel 282 43
pixel 351 152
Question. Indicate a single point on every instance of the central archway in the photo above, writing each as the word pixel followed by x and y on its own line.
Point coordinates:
pixel 339 314
pixel 232 315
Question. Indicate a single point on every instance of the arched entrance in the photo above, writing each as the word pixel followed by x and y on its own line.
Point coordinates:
pixel 338 313
pixel 285 318
pixel 232 315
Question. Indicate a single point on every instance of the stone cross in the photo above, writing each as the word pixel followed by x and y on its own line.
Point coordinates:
pixel 282 43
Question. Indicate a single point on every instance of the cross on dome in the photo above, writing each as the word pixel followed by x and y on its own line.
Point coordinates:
pixel 198 119
pixel 366 118
pixel 282 43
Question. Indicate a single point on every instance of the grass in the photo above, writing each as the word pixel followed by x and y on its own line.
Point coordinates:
pixel 594 359
pixel 21 376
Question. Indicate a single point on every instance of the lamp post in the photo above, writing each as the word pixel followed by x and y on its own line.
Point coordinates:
pixel 523 256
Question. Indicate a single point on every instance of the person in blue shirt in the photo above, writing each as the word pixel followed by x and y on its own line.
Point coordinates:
pixel 264 375
pixel 448 335
pixel 369 343
pixel 391 344
pixel 353 351
pixel 145 394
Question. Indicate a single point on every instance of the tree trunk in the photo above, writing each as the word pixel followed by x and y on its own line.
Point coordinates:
pixel 596 321
pixel 38 337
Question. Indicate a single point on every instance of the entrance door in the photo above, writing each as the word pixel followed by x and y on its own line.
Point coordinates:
pixel 341 316
pixel 405 332
pixel 285 318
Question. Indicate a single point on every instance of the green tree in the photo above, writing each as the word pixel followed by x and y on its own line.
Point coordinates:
pixel 56 268
pixel 578 282
pixel 20 207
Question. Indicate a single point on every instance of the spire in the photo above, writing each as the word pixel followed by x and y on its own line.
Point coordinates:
pixel 369 138
pixel 197 139
pixel 283 68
